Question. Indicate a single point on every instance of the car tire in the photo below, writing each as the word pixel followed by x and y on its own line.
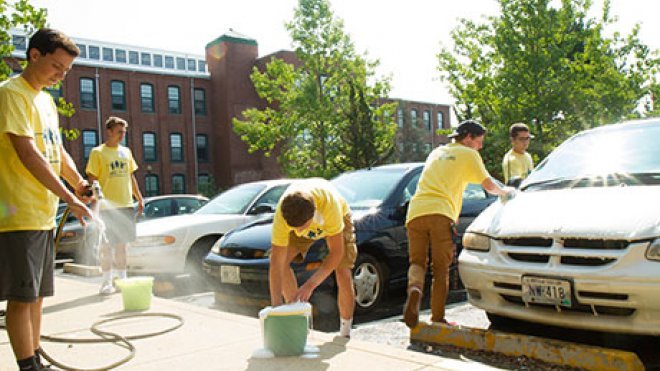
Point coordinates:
pixel 369 282
pixel 196 256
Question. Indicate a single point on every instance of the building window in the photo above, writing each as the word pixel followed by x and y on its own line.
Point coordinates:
pixel 191 65
pixel 118 95
pixel 83 50
pixel 108 55
pixel 399 117
pixel 120 55
pixel 94 52
pixel 413 118
pixel 180 63
pixel 200 102
pixel 201 66
pixel 19 42
pixel 176 147
pixel 89 141
pixel 151 187
pixel 146 59
pixel 147 97
pixel 173 99
pixel 149 146
pixel 178 183
pixel 158 60
pixel 169 62
pixel 441 120
pixel 87 93
pixel 133 57
pixel 202 148
pixel 427 120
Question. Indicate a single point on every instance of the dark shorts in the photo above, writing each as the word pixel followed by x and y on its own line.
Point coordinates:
pixel 26 265
pixel 119 224
pixel 303 244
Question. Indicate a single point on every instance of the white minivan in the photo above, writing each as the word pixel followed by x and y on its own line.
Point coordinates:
pixel 579 245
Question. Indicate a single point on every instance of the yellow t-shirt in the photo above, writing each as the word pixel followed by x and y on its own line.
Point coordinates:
pixel 25 203
pixel 516 164
pixel 113 167
pixel 447 171
pixel 328 218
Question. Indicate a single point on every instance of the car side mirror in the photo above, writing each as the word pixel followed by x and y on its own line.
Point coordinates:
pixel 262 209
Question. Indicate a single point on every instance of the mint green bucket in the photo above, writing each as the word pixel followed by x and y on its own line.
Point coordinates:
pixel 285 328
pixel 136 292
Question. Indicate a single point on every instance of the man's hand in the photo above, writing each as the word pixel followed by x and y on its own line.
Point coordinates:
pixel 84 192
pixel 305 292
pixel 140 207
pixel 80 211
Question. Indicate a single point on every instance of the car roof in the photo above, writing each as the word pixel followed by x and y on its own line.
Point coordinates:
pixel 154 198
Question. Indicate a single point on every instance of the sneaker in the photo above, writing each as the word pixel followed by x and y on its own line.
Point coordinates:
pixel 447 323
pixel 411 309
pixel 107 288
pixel 345 328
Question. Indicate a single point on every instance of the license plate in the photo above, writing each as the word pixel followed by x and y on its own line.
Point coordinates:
pixel 546 291
pixel 230 274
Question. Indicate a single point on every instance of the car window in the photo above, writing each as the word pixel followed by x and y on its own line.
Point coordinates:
pixel 158 208
pixel 272 196
pixel 188 205
pixel 411 187
pixel 474 192
pixel 233 201
pixel 367 188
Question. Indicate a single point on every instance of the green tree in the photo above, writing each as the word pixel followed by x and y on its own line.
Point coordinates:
pixel 325 116
pixel 549 65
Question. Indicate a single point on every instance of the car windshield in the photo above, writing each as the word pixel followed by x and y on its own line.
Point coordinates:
pixel 233 201
pixel 367 188
pixel 625 155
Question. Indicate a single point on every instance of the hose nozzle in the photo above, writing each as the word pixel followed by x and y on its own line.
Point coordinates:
pixel 96 190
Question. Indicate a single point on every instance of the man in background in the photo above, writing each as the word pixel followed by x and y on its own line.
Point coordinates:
pixel 113 166
pixel 517 163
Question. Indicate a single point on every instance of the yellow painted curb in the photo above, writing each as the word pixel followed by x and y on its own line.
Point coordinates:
pixel 82 270
pixel 548 350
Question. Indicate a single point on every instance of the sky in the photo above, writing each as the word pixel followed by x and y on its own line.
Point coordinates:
pixel 405 36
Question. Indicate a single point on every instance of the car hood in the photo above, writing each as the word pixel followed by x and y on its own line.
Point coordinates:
pixel 628 213
pixel 171 224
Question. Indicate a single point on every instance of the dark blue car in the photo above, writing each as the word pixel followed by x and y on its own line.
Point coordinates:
pixel 378 197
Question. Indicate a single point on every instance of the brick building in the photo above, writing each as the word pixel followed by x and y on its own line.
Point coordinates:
pixel 180 109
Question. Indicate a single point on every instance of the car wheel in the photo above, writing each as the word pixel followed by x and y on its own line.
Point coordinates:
pixel 196 256
pixel 369 282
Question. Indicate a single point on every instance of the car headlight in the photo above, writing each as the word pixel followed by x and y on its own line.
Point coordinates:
pixel 653 251
pixel 151 241
pixel 475 241
pixel 216 246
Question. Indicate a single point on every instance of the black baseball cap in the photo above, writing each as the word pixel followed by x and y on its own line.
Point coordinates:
pixel 468 127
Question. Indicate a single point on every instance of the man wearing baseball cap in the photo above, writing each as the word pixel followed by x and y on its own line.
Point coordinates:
pixel 434 210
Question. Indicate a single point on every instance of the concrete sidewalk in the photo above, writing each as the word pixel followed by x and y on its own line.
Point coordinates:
pixel 208 340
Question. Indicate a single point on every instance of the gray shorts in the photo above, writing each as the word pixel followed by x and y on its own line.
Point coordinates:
pixel 119 224
pixel 26 265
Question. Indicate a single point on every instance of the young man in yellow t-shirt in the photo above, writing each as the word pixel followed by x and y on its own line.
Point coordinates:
pixel 32 160
pixel 433 211
pixel 113 166
pixel 310 210
pixel 517 163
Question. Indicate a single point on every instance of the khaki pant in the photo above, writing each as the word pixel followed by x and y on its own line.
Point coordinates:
pixel 434 231
pixel 302 244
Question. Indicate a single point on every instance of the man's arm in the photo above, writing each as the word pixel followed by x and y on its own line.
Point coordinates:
pixel 137 194
pixel 39 167
pixel 495 189
pixel 336 253
pixel 275 272
pixel 71 175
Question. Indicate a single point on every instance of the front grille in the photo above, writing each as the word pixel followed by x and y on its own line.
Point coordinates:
pixel 590 262
pixel 579 243
pixel 242 253
pixel 530 258
pixel 528 241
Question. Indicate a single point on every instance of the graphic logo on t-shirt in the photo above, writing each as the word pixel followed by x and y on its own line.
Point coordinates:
pixel 447 157
pixel 50 144
pixel 312 235
pixel 119 167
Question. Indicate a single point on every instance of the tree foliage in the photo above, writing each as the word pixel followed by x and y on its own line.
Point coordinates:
pixel 326 115
pixel 547 64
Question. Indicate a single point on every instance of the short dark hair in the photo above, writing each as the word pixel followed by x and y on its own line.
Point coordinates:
pixel 47 40
pixel 517 128
pixel 297 208
pixel 114 121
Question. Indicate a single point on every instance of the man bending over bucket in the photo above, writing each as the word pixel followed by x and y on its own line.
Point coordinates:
pixel 310 210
